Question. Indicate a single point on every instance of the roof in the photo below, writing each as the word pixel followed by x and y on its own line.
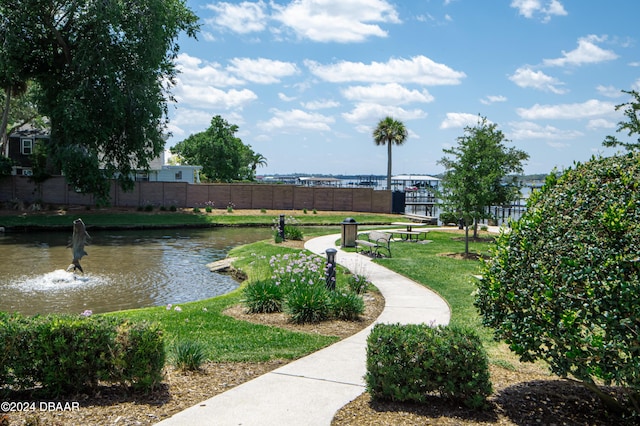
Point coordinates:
pixel 414 177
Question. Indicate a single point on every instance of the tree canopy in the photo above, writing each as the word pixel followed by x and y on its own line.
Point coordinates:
pixel 631 126
pixel 222 155
pixel 105 69
pixel 389 132
pixel 479 172
pixel 563 285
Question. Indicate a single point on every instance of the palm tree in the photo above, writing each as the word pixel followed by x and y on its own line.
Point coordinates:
pixel 256 160
pixel 389 131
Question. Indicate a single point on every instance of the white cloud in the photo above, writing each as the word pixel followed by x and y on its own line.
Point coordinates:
pixel 195 70
pixel 418 70
pixel 212 97
pixel 286 98
pixel 370 112
pixel 491 99
pixel 241 18
pixel 526 77
pixel 321 104
pixel 529 130
pixel 601 123
pixel 294 120
pixel 532 8
pixel 456 120
pixel 609 91
pixel 587 52
pixel 261 70
pixel 389 94
pixel 336 20
pixel 590 108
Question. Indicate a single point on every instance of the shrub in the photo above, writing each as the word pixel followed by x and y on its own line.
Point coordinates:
pixel 265 296
pixel 346 306
pixel 292 232
pixel 448 217
pixel 409 363
pixel 564 285
pixel 172 208
pixel 307 303
pixel 61 354
pixel 358 283
pixel 139 356
pixel 188 355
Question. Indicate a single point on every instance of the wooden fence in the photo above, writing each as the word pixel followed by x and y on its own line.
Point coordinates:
pixel 55 191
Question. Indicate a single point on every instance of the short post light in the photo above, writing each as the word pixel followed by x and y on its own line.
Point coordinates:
pixel 281 227
pixel 331 269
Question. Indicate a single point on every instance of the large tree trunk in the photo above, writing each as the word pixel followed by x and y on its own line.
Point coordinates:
pixel 5 122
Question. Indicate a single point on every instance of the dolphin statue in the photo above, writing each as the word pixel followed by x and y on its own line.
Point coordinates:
pixel 78 241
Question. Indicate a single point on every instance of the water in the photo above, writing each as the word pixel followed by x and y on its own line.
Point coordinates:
pixel 123 270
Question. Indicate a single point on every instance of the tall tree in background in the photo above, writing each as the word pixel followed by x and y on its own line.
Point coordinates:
pixel 389 132
pixel 105 69
pixel 222 155
pixel 478 174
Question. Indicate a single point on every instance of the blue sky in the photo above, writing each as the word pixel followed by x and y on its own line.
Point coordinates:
pixel 306 81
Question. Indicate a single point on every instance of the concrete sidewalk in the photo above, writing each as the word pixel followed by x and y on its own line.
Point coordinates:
pixel 312 389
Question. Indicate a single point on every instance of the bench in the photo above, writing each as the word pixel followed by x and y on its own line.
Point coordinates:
pixel 372 242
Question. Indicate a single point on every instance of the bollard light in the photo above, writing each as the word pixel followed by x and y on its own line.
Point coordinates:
pixel 281 227
pixel 331 269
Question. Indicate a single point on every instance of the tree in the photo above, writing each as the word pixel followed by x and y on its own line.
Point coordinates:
pixel 105 69
pixel 478 174
pixel 632 126
pixel 563 285
pixel 389 132
pixel 19 109
pixel 221 154
pixel 256 160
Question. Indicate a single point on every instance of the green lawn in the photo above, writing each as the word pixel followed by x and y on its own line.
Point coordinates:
pixel 97 218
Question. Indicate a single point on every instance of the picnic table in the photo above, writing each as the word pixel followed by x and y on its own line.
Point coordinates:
pixel 409 234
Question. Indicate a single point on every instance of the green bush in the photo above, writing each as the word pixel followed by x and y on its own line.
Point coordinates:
pixel 264 296
pixel 346 306
pixel 307 303
pixel 188 355
pixel 71 353
pixel 358 283
pixel 564 285
pixel 139 357
pixel 61 354
pixel 409 363
pixel 293 233
pixel 448 217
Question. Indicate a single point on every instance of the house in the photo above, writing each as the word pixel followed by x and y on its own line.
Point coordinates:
pixel 21 145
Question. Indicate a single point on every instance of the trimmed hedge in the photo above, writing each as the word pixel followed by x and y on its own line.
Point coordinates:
pixel 60 354
pixel 409 363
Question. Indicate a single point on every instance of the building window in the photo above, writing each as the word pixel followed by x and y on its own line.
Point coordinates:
pixel 26 146
pixel 179 175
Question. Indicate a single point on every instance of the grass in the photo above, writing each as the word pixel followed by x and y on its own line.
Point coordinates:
pixel 103 218
pixel 224 338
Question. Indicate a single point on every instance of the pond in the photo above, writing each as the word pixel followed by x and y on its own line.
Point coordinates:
pixel 123 269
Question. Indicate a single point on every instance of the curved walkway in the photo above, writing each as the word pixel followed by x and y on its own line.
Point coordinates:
pixel 312 389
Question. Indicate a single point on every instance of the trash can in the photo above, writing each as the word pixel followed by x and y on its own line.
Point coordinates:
pixel 349 232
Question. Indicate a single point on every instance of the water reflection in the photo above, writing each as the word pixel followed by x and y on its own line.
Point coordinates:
pixel 124 269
